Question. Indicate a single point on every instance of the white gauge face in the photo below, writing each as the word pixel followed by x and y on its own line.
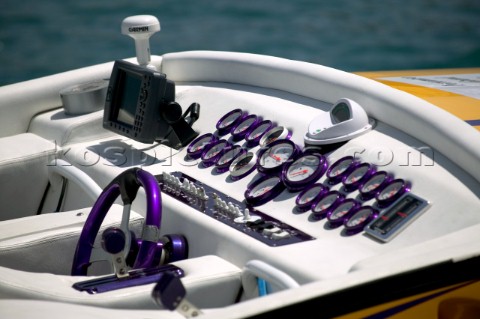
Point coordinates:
pixel 264 187
pixel 391 190
pixel 341 210
pixel 357 174
pixel 244 125
pixel 303 168
pixel 309 195
pixel 230 119
pixel 359 217
pixel 340 168
pixel 228 156
pixel 373 183
pixel 276 155
pixel 325 202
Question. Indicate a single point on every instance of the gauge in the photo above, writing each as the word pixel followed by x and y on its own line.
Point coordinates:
pixel 359 219
pixel 242 165
pixel 253 137
pixel 197 146
pixel 391 192
pixel 213 152
pixel 342 211
pixel 276 155
pixel 357 175
pixel 244 126
pixel 339 169
pixel 309 196
pixel 374 184
pixel 326 203
pixel 263 189
pixel 276 133
pixel 228 121
pixel 303 171
pixel 227 158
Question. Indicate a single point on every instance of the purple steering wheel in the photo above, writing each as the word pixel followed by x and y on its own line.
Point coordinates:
pixel 126 185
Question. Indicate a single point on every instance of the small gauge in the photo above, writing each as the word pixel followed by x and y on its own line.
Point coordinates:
pixel 357 175
pixel 227 158
pixel 303 171
pixel 244 126
pixel 342 211
pixel 326 203
pixel 213 152
pixel 242 165
pixel 253 137
pixel 359 219
pixel 374 184
pixel 339 169
pixel 276 133
pixel 263 190
pixel 391 192
pixel 197 146
pixel 309 196
pixel 228 121
pixel 272 159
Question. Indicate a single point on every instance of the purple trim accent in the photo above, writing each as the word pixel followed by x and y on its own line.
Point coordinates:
pixel 404 187
pixel 352 230
pixel 236 136
pixel 196 153
pixel 207 162
pixel 354 185
pixel 334 221
pixel 371 194
pixel 332 180
pixel 265 197
pixel 276 169
pixel 309 204
pixel 223 167
pixel 298 185
pixel 227 129
pixel 254 141
pixel 176 248
pixel 318 214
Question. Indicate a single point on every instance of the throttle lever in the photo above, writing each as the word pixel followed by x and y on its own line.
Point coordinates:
pixel 114 242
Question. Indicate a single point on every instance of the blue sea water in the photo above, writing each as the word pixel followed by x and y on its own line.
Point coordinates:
pixel 39 38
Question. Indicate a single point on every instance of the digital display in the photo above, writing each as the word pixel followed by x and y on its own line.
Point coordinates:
pixel 340 113
pixel 129 93
pixel 394 219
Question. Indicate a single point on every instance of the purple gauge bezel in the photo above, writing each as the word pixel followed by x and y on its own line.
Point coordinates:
pixel 298 185
pixel 387 202
pixel 255 141
pixel 324 212
pixel 353 186
pixel 284 135
pixel 267 196
pixel 277 169
pixel 309 204
pixel 371 194
pixel 246 172
pixel 341 220
pixel 240 135
pixel 224 167
pixel 351 230
pixel 207 162
pixel 332 180
pixel 198 153
pixel 227 129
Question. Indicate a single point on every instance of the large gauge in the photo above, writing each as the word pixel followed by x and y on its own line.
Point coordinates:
pixel 272 159
pixel 303 171
pixel 263 190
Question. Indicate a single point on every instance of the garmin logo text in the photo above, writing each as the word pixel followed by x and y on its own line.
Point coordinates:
pixel 138 29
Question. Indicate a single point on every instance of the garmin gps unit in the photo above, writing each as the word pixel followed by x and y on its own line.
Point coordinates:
pixel 140 104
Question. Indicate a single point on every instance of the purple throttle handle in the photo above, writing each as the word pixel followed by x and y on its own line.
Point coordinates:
pixel 126 184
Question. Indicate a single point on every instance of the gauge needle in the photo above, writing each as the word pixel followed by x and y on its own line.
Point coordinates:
pixel 275 157
pixel 299 172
